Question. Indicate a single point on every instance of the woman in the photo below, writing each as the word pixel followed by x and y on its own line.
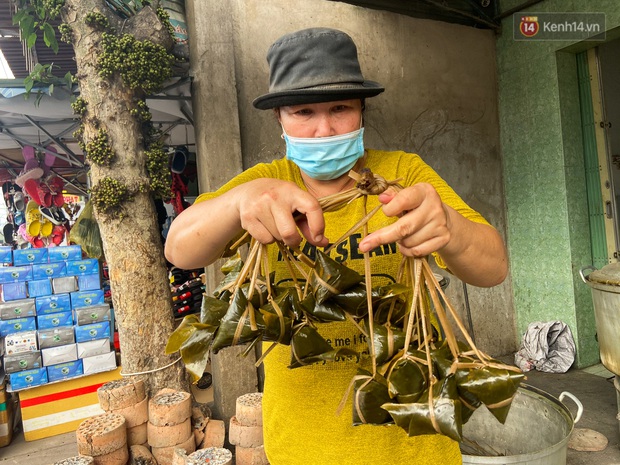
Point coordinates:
pixel 318 93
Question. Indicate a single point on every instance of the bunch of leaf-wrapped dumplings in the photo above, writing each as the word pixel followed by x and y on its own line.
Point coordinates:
pixel 424 385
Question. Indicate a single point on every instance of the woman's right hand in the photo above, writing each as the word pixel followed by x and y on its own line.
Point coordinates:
pixel 274 210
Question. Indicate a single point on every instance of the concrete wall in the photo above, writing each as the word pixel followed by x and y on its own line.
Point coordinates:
pixel 542 152
pixel 441 102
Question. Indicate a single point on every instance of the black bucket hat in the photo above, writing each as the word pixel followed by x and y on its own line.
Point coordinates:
pixel 312 66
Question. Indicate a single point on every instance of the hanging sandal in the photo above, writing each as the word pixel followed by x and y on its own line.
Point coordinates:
pixel 31 170
pixel 33 219
pixel 48 160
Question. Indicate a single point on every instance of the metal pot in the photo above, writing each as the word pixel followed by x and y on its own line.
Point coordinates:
pixel 536 431
pixel 605 285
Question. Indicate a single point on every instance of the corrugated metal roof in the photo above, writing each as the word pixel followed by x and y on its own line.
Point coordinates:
pixel 476 13
pixel 19 57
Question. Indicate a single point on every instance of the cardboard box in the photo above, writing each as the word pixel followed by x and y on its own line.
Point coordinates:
pixel 56 337
pixel 64 371
pixel 92 314
pixel 89 282
pixel 91 348
pixel 54 320
pixel 17 309
pixel 53 304
pixel 59 354
pixel 28 378
pixel 20 342
pixel 22 361
pixel 92 331
pixel 64 285
pixel 64 252
pixel 14 291
pixel 49 270
pixel 97 363
pixel 83 267
pixel 6 254
pixel 60 407
pixel 30 256
pixel 39 287
pixel 15 274
pixel 17 325
pixel 86 298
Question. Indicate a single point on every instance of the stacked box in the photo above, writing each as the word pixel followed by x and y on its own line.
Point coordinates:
pixel 59 408
pixel 53 318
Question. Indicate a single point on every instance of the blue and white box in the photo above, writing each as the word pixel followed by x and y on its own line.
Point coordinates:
pixel 59 354
pixel 55 337
pixel 49 270
pixel 65 370
pixel 86 298
pixel 89 282
pixel 17 325
pixel 17 309
pixel 15 274
pixel 92 314
pixel 28 378
pixel 64 253
pixel 14 291
pixel 54 320
pixel 92 331
pixel 6 254
pixel 39 287
pixel 82 267
pixel 53 304
pixel 30 256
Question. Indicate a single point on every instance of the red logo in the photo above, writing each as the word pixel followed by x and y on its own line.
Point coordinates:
pixel 529 26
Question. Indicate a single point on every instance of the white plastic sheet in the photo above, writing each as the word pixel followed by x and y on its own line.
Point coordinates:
pixel 546 346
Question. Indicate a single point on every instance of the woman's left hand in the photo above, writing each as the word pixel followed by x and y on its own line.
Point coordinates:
pixel 424 224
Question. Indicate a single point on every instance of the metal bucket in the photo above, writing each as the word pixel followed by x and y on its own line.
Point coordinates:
pixel 605 285
pixel 536 431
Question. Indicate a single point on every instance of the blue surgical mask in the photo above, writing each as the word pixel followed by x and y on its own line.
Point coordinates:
pixel 325 158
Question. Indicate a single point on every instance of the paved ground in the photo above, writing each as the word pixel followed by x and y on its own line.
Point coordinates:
pixel 593 387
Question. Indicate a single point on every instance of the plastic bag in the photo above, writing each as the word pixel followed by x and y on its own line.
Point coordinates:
pixel 85 232
pixel 547 347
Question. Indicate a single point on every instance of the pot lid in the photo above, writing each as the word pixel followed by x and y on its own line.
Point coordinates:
pixel 609 274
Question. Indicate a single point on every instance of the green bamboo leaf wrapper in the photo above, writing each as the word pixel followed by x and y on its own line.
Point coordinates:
pixel 308 347
pixel 181 333
pixel 195 351
pixel 415 418
pixel 369 395
pixel 237 311
pixel 338 276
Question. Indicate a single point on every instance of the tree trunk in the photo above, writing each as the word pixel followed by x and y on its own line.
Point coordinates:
pixel 132 243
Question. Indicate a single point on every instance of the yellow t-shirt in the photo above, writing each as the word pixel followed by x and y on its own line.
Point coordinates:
pixel 299 405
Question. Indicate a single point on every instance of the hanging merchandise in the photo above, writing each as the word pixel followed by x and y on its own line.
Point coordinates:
pixel 85 232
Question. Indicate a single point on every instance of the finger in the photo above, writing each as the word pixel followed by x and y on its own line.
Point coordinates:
pixel 259 232
pixel 392 233
pixel 404 201
pixel 286 228
pixel 422 249
pixel 312 225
